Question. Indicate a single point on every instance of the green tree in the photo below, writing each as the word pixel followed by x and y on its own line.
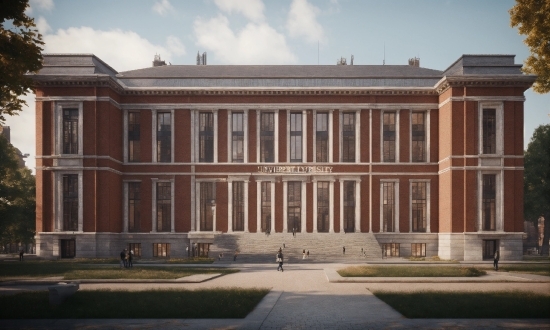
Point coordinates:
pixel 532 17
pixel 20 53
pixel 17 198
pixel 536 184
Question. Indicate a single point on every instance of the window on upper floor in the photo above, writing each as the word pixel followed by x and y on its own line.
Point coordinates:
pixel 348 137
pixel 134 128
pixel 164 137
pixel 489 202
pixel 296 137
pixel 164 206
pixel 237 137
pixel 70 131
pixel 388 136
pixel 418 137
pixel 206 137
pixel 134 206
pixel 267 137
pixel 419 206
pixel 388 206
pixel 70 202
pixel 489 129
pixel 321 137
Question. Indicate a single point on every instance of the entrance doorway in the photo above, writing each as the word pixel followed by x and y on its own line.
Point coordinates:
pixel 68 248
pixel 489 248
pixel 202 250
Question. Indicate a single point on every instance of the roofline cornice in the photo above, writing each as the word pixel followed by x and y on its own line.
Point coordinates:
pixel 525 81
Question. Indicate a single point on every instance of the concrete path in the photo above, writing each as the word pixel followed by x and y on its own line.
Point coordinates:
pixel 302 297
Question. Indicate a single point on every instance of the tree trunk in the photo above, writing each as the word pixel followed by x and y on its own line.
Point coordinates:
pixel 544 247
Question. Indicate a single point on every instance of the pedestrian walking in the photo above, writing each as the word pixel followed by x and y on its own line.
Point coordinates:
pixel 122 258
pixel 496 259
pixel 303 254
pixel 280 260
pixel 130 259
pixel 307 254
pixel 343 250
pixel 21 253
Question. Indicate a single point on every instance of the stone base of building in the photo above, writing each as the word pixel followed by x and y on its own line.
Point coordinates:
pixel 459 246
pixel 470 246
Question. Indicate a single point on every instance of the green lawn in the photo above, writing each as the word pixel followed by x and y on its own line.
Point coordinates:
pixel 410 271
pixel 542 269
pixel 456 305
pixel 73 270
pixel 211 303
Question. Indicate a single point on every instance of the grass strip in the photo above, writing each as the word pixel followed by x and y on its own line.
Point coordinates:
pixel 542 269
pixel 410 271
pixel 152 304
pixel 475 305
pixel 71 271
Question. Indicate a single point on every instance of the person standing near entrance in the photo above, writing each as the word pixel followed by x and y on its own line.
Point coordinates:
pixel 343 250
pixel 280 260
pixel 122 259
pixel 496 259
pixel 130 258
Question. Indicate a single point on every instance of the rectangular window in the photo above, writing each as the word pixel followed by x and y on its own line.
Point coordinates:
pixel 161 250
pixel 294 198
pixel 391 249
pixel 489 202
pixel 70 131
pixel 206 137
pixel 207 205
pixel 68 248
pixel 267 136
pixel 134 206
pixel 164 137
pixel 323 202
pixel 418 136
pixel 134 137
pixel 136 247
pixel 388 206
pixel 388 136
pixel 321 137
pixel 237 137
pixel 164 206
pixel 489 248
pixel 348 137
pixel 70 202
pixel 418 249
pixel 266 206
pixel 238 206
pixel 419 206
pixel 295 137
pixel 349 206
pixel 489 131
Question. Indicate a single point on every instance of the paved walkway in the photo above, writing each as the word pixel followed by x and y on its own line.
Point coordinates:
pixel 302 297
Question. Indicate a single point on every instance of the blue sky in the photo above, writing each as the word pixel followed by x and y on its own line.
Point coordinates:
pixel 128 33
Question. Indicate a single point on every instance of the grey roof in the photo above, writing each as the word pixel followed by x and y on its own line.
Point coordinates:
pixel 58 66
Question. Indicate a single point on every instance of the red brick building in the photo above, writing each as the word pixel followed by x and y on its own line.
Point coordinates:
pixel 174 159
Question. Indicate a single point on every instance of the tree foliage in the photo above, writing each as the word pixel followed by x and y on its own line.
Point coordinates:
pixel 17 198
pixel 537 180
pixel 532 17
pixel 20 53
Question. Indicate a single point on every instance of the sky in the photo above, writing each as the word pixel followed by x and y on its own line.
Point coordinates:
pixel 127 34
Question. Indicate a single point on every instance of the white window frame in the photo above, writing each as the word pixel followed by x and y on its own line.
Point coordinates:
pixel 499 114
pixel 230 180
pixel 58 122
pixel 197 207
pixel 154 133
pixel 304 135
pixel 58 201
pixel 125 206
pixel 357 203
pixel 396 205
pixel 259 181
pixel 331 181
pixel 396 111
pixel 357 136
pixel 330 114
pixel 275 135
pixel 230 136
pixel 427 130
pixel 154 182
pixel 302 202
pixel 499 200
pixel 196 136
pixel 428 204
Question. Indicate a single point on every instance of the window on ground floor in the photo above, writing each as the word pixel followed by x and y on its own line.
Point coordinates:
pixel 266 206
pixel 294 210
pixel 68 248
pixel 161 249
pixel 390 249
pixel 489 248
pixel 136 247
pixel 238 206
pixel 418 249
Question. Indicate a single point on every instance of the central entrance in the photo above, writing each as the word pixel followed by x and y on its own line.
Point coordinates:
pixel 294 198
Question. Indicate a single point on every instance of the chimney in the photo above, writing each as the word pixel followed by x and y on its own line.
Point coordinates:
pixel 201 59
pixel 415 61
pixel 157 61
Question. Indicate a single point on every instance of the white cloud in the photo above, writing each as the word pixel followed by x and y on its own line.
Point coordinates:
pixel 122 50
pixel 46 5
pixel 256 43
pixel 22 130
pixel 162 7
pixel 251 9
pixel 302 21
pixel 42 25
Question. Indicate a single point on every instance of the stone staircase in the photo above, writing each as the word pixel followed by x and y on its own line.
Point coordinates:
pixel 323 247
